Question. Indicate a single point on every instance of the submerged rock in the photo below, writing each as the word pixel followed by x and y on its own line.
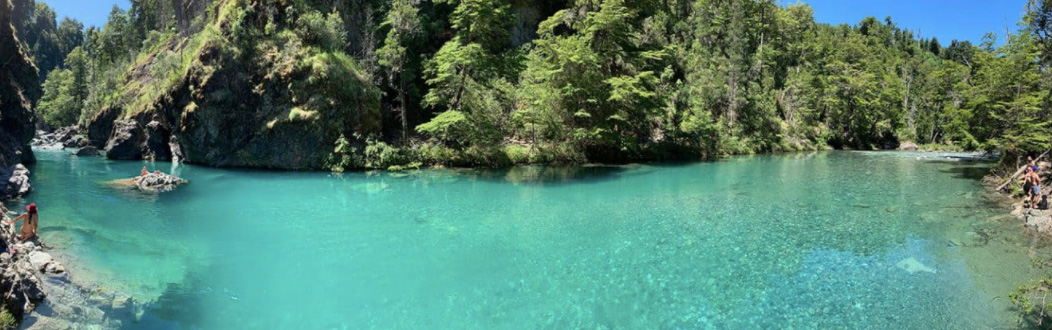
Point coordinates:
pixel 911 265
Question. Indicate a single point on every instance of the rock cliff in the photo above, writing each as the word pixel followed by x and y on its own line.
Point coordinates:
pixel 18 85
pixel 258 90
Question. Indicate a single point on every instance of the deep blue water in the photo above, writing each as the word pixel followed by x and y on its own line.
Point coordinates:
pixel 820 240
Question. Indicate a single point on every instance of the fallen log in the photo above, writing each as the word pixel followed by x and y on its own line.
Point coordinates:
pixel 1020 171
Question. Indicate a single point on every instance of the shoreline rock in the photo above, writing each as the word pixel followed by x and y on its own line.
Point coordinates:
pixel 41 294
pixel 908 146
pixel 24 271
pixel 16 182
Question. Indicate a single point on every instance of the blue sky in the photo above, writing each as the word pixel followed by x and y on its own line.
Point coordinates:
pixel 945 19
pixel 89 12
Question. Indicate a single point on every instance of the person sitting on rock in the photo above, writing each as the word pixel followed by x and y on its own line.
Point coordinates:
pixel 144 171
pixel 29 229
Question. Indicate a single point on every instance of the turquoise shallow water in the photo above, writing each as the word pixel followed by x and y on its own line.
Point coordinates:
pixel 822 240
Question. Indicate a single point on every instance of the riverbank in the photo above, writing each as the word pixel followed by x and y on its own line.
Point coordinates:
pixel 28 276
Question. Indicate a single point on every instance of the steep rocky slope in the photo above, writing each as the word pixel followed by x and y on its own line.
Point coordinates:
pixel 18 85
pixel 253 87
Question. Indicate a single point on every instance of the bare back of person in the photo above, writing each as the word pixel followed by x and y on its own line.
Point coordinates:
pixel 29 228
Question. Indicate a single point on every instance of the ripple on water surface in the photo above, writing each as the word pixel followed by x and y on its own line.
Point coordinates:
pixel 819 240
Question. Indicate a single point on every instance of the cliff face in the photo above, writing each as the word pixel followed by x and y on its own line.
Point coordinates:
pixel 259 84
pixel 18 85
pixel 261 88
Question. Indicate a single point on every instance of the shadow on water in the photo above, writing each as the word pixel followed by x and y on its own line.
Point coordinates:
pixel 178 302
pixel 969 172
pixel 552 175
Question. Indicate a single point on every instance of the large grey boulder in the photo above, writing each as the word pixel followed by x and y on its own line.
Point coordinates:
pixel 127 141
pixel 15 182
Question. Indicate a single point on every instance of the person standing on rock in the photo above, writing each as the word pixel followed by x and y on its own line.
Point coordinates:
pixel 29 229
pixel 1035 188
pixel 1028 186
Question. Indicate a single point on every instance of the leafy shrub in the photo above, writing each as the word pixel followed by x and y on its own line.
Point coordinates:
pixel 7 321
pixel 382 155
pixel 450 127
pixel 345 156
pixel 322 31
pixel 1032 300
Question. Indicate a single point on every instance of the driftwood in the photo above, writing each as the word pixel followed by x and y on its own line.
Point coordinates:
pixel 1021 169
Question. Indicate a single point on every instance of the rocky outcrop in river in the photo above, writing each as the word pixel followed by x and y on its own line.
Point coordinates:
pixel 158 182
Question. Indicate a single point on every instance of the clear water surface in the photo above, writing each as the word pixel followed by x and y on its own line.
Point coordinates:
pixel 815 240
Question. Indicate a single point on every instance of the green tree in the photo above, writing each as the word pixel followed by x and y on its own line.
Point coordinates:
pixel 465 68
pixel 404 26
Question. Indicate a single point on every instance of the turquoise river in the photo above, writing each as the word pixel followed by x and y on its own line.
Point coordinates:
pixel 812 240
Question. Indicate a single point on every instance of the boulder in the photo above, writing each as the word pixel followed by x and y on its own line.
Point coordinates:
pixel 127 141
pixel 40 260
pixel 87 151
pixel 65 133
pixel 908 146
pixel 76 141
pixel 17 182
pixel 1035 219
pixel 100 128
pixel 157 141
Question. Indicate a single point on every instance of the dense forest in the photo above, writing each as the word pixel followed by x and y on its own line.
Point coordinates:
pixel 394 83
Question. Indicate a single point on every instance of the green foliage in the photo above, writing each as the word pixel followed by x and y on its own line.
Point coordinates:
pixel 382 155
pixel 60 106
pixel 450 127
pixel 325 31
pixel 608 80
pixel 404 26
pixel 1032 300
pixel 7 321
pixel 345 156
